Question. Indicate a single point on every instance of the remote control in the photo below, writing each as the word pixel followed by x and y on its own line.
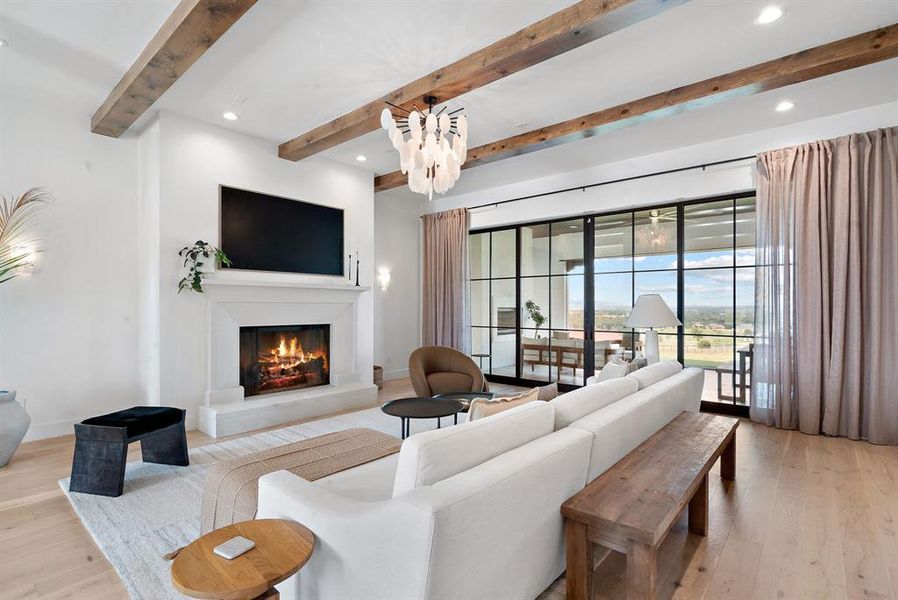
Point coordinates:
pixel 234 547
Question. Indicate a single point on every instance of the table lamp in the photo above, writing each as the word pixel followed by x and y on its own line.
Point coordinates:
pixel 651 311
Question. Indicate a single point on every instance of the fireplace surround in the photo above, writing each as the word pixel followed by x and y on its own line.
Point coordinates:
pixel 284 357
pixel 236 302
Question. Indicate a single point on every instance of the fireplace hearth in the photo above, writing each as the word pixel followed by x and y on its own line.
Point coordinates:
pixel 284 357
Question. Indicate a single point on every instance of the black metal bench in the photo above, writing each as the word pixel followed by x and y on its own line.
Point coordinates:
pixel 101 446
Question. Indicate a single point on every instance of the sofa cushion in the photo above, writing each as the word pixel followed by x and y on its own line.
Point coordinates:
pixel 429 457
pixel 655 373
pixel 579 403
pixel 485 407
pixel 445 382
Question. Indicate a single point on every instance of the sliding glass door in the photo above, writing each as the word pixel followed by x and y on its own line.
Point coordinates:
pixel 540 315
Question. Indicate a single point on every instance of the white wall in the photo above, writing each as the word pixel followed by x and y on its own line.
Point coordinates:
pixel 194 158
pixel 397 249
pixel 68 332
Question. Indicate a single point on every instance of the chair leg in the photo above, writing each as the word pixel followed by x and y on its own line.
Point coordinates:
pixel 166 447
pixel 98 467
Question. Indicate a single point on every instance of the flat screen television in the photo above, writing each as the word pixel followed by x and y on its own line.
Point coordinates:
pixel 260 232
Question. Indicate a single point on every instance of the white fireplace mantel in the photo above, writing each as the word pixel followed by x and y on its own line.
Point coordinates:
pixel 241 299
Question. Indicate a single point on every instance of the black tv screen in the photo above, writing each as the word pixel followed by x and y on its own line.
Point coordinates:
pixel 267 233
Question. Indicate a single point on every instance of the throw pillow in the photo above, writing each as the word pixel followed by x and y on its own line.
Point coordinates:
pixel 612 370
pixel 483 407
pixel 548 392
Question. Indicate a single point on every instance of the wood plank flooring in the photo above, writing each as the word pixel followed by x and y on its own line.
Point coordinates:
pixel 808 517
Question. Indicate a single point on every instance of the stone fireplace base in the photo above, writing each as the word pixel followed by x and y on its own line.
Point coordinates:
pixel 275 409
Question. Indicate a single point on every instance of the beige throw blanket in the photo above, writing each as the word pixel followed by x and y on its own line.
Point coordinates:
pixel 231 492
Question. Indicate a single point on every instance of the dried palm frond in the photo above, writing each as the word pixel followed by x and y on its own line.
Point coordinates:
pixel 15 217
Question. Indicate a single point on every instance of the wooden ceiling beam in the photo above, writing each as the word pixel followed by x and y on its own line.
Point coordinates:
pixel 190 30
pixel 842 55
pixel 565 30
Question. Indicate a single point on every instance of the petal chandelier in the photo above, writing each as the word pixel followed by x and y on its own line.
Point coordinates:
pixel 436 149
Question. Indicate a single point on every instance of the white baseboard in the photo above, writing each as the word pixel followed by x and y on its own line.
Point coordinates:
pixel 42 431
pixel 395 374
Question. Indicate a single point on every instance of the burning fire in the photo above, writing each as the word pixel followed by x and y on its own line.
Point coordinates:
pixel 289 356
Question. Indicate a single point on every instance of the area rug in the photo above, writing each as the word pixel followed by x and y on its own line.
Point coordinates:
pixel 160 509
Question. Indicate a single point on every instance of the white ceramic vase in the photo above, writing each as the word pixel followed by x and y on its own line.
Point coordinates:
pixel 14 422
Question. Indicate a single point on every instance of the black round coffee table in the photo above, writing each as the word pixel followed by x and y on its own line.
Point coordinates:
pixel 465 397
pixel 421 408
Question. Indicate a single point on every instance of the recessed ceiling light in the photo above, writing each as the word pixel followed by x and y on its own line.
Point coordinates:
pixel 361 158
pixel 784 106
pixel 769 15
pixel 230 116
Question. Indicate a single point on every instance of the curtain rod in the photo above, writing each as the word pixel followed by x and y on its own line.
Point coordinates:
pixel 623 179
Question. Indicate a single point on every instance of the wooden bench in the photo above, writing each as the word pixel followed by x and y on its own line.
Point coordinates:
pixel 631 507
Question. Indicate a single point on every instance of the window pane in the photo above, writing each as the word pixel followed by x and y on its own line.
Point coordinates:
pixel 479 255
pixel 480 303
pixel 708 296
pixel 667 345
pixel 567 354
pixel 567 303
pixel 707 351
pixel 536 357
pixel 708 232
pixel 535 249
pixel 745 231
pixel 614 243
pixel 567 247
pixel 503 304
pixel 535 303
pixel 503 247
pixel 502 361
pixel 613 300
pixel 655 233
pixel 745 301
pixel 663 283
pixel 607 346
pixel 480 347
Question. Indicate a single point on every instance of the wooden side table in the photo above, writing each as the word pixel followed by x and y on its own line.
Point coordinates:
pixel 282 548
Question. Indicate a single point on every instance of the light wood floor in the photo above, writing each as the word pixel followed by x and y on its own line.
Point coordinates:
pixel 808 517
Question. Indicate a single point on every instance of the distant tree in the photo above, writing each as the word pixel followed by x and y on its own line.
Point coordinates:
pixel 535 314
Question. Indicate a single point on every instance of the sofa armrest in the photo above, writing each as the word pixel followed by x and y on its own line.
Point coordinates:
pixel 362 549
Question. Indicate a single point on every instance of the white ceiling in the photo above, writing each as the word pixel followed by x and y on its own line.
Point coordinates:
pixel 291 65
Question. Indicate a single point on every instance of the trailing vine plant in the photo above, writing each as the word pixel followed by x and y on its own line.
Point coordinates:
pixel 195 258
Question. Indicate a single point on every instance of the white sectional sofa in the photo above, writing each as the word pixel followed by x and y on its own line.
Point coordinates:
pixel 472 511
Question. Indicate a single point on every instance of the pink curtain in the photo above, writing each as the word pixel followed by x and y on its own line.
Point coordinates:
pixel 826 320
pixel 444 302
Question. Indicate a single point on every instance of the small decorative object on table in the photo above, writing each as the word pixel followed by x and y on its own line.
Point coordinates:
pixel 281 549
pixel 194 263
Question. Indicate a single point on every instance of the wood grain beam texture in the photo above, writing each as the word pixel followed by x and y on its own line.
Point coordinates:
pixel 565 30
pixel 190 30
pixel 848 53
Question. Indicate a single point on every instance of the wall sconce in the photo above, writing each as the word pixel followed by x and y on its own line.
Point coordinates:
pixel 383 276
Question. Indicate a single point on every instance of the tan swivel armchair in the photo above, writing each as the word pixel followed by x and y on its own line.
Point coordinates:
pixel 439 370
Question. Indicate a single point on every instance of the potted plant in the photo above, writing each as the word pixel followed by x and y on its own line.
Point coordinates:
pixel 15 217
pixel 195 258
pixel 535 314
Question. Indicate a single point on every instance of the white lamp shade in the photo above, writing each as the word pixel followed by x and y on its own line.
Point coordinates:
pixel 650 310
